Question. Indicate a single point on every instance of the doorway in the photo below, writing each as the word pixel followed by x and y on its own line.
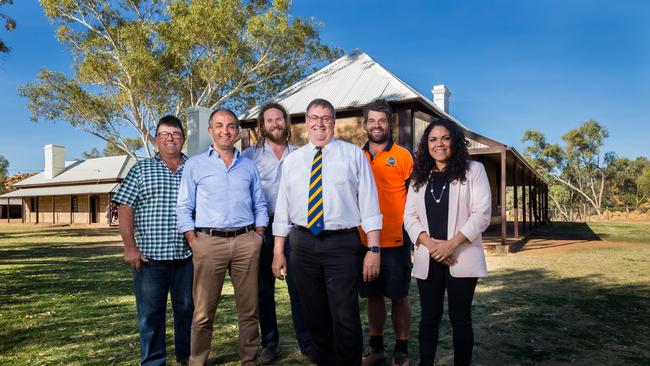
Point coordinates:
pixel 94 208
pixel 34 205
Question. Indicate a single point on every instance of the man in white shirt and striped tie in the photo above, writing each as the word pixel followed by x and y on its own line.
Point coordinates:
pixel 328 191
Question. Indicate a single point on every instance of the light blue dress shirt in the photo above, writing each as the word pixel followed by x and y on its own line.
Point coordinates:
pixel 270 168
pixel 212 195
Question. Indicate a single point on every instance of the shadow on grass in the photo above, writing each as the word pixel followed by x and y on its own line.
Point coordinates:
pixel 564 230
pixel 28 254
pixel 56 232
pixel 531 317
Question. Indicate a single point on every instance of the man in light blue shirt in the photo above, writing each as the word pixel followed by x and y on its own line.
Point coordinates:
pixel 222 212
pixel 274 128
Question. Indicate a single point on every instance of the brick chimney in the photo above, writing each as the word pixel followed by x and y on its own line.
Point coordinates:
pixel 441 97
pixel 54 160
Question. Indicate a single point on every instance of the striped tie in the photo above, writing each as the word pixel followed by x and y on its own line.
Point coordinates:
pixel 315 221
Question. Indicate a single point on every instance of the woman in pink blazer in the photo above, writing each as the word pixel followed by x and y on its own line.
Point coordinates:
pixel 447 209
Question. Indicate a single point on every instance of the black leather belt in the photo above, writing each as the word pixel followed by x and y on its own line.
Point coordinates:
pixel 329 232
pixel 225 233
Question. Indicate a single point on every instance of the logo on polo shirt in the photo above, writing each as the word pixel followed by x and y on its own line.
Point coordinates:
pixel 391 162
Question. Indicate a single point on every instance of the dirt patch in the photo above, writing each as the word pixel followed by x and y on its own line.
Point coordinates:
pixel 539 246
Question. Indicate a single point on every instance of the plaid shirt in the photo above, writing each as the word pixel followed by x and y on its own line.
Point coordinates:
pixel 151 189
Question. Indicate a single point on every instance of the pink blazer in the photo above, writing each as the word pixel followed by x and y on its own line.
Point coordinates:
pixel 469 212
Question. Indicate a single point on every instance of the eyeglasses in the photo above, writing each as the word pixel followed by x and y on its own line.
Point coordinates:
pixel 165 135
pixel 324 119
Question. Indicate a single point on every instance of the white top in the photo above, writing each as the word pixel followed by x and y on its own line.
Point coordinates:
pixel 270 169
pixel 349 190
pixel 470 209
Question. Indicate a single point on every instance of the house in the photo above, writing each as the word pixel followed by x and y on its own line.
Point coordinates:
pixel 355 80
pixel 72 192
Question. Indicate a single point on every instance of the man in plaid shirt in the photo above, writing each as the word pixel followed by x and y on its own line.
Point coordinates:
pixel 160 257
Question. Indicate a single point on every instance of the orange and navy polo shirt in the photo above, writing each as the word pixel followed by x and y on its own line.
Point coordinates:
pixel 392 168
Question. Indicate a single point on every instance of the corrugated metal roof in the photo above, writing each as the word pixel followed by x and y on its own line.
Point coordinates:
pixel 97 169
pixel 10 201
pixel 64 190
pixel 353 80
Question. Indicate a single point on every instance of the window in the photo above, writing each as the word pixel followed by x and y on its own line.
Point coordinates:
pixel 74 204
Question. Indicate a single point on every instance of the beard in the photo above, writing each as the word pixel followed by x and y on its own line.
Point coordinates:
pixel 379 139
pixel 277 138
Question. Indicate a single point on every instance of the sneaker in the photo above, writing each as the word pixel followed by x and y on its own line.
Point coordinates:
pixel 400 359
pixel 373 357
pixel 269 353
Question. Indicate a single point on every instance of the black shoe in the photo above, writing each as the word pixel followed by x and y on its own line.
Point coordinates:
pixel 400 359
pixel 269 353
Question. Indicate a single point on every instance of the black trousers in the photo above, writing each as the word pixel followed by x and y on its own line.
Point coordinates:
pixel 327 270
pixel 266 290
pixel 460 292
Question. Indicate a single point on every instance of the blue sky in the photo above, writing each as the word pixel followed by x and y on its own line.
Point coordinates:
pixel 510 65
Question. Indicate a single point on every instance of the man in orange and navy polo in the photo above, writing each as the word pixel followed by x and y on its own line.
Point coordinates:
pixel 391 165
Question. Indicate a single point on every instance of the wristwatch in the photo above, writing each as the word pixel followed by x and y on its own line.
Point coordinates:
pixel 374 249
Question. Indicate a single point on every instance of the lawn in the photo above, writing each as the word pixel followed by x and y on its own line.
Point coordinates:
pixel 67 299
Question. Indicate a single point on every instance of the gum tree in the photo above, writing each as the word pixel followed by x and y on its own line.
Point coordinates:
pixel 137 60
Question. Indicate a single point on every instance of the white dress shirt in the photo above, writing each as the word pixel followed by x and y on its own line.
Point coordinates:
pixel 349 190
pixel 270 169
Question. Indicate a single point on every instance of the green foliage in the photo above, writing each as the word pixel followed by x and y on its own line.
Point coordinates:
pixel 137 60
pixel 113 149
pixel 10 24
pixel 627 185
pixel 4 169
pixel 92 154
pixel 579 165
pixel 643 184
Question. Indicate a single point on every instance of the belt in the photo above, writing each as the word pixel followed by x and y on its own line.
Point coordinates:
pixel 225 233
pixel 329 232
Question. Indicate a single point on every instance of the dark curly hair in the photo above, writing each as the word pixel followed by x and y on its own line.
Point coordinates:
pixel 457 165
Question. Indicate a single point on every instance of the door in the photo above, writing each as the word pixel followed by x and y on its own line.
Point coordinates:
pixel 94 208
pixel 34 204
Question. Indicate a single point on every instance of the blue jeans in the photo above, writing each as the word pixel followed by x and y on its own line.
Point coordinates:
pixel 151 285
pixel 266 306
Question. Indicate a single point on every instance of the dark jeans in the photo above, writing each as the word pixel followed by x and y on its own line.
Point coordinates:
pixel 460 292
pixel 151 285
pixel 328 272
pixel 266 306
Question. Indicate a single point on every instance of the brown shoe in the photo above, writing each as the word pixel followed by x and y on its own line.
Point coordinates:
pixel 373 357
pixel 309 354
pixel 400 359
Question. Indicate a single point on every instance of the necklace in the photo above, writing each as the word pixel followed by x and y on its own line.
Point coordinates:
pixel 442 192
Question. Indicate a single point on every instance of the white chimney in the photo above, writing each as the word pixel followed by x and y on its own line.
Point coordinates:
pixel 198 138
pixel 54 160
pixel 441 97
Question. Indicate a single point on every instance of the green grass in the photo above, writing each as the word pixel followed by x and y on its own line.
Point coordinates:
pixel 622 232
pixel 66 298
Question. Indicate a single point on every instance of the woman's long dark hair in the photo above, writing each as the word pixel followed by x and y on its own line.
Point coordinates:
pixel 456 166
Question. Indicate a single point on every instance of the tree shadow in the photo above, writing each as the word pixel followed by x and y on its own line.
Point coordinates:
pixel 563 230
pixel 532 317
pixel 37 232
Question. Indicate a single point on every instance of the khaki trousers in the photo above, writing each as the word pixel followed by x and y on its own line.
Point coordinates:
pixel 212 257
